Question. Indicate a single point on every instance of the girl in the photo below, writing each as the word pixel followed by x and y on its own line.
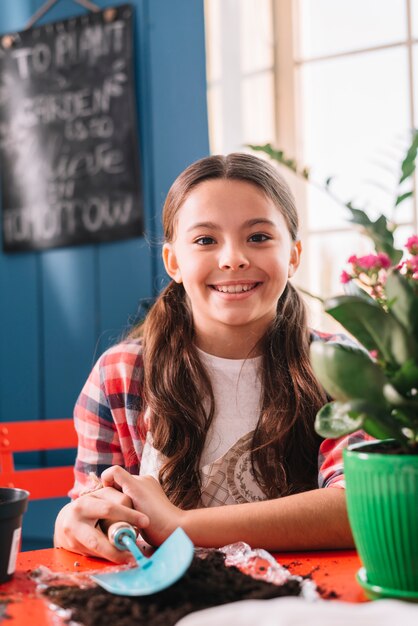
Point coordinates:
pixel 212 400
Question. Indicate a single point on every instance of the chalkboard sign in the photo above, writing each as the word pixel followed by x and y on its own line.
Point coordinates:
pixel 68 135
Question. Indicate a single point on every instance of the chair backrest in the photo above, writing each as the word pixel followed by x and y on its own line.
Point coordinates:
pixel 45 482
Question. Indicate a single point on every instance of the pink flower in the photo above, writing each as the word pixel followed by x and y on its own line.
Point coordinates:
pixel 409 267
pixel 412 244
pixel 345 277
pixel 385 260
pixel 371 262
pixel 411 264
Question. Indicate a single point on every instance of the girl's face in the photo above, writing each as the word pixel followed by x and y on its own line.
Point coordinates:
pixel 234 254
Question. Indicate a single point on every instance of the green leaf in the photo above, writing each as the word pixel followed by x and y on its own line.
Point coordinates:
pixel 406 378
pixel 358 216
pixel 383 425
pixel 397 399
pixel 404 302
pixel 280 157
pixel 348 373
pixel 407 417
pixel 375 328
pixel 276 155
pixel 353 289
pixel 402 197
pixel 337 419
pixel 408 164
pixel 378 231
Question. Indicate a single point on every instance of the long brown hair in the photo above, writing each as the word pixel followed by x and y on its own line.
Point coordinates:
pixel 176 384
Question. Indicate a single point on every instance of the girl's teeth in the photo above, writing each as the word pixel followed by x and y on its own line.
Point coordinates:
pixel 234 288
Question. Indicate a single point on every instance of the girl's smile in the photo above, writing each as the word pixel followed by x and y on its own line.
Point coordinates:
pixel 235 289
pixel 233 252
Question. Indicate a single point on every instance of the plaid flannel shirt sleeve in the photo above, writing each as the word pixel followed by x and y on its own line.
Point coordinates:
pixel 108 417
pixel 330 459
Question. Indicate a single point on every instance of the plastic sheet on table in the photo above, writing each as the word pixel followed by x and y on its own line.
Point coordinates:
pixel 261 565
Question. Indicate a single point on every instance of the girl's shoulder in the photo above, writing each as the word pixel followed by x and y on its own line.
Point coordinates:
pixel 124 355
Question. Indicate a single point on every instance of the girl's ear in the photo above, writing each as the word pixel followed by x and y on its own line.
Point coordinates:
pixel 294 258
pixel 170 263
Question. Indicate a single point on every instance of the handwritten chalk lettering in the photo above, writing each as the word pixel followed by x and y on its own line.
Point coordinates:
pixel 70 48
pixel 57 191
pixel 65 49
pixel 71 105
pixel 98 213
pixel 84 163
pixel 45 223
pixel 17 226
pixel 97 128
pixel 38 57
pixel 38 223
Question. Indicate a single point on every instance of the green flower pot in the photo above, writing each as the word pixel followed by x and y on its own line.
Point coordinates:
pixel 382 502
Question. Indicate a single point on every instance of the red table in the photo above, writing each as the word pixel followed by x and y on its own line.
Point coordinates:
pixel 334 572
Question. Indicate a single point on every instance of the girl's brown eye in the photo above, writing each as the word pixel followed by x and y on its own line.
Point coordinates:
pixel 258 237
pixel 204 241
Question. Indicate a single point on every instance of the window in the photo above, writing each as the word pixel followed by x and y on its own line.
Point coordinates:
pixel 240 73
pixel 334 84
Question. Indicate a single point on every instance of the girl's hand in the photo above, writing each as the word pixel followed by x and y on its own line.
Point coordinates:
pixel 76 525
pixel 148 497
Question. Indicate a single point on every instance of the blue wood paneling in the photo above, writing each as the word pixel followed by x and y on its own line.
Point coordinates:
pixel 125 278
pixel 70 331
pixel 61 308
pixel 21 390
pixel 178 88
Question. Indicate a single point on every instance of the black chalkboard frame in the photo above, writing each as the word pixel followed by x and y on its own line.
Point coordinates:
pixel 69 146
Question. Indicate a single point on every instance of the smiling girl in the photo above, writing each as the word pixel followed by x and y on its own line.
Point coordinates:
pixel 204 417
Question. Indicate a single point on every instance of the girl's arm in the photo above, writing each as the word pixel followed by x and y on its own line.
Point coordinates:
pixel 308 521
pixel 102 415
pixel 314 520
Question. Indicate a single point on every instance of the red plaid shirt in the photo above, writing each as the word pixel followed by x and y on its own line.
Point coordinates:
pixel 111 425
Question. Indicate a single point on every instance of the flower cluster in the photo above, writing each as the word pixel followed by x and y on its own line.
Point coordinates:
pixel 371 270
pixel 374 384
pixel 409 267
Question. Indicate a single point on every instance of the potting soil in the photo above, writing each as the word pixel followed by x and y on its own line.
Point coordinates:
pixel 208 582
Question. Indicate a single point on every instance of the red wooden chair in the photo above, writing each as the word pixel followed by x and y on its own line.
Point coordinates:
pixel 45 482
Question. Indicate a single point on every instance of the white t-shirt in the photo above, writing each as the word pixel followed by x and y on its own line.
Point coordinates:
pixel 225 467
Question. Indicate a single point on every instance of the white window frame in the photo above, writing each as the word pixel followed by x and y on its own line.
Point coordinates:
pixel 289 105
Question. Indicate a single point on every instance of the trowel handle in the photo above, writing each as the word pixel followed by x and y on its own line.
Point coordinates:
pixel 117 531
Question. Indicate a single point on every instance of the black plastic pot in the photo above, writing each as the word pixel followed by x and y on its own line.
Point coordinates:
pixel 13 504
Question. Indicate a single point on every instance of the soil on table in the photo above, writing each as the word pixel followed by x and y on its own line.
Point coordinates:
pixel 3 609
pixel 208 582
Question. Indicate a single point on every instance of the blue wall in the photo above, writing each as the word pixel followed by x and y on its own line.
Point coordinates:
pixel 61 308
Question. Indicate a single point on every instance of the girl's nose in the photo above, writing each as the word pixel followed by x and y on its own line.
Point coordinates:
pixel 233 258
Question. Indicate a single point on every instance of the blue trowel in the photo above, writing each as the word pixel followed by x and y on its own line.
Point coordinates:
pixel 151 574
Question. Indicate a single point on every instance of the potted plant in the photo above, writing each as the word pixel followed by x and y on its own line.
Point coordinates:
pixel 374 387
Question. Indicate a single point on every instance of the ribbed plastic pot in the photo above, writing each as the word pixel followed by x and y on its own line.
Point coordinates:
pixel 13 504
pixel 382 503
